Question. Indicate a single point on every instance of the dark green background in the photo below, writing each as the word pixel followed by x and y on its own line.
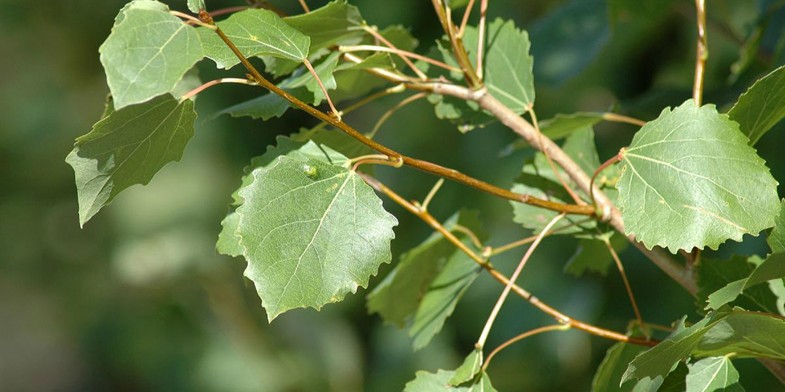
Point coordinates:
pixel 139 300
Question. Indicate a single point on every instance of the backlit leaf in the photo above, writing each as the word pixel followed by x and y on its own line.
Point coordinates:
pixel 690 180
pixel 255 32
pixel 715 374
pixel 776 239
pixel 311 232
pixel 771 268
pixel 195 5
pixel 147 53
pixel 762 106
pixel 440 382
pixel 472 365
pixel 128 147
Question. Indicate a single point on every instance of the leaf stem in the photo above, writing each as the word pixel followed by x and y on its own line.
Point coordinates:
pixel 335 111
pixel 425 166
pixel 392 111
pixel 599 170
pixel 528 240
pixel 426 217
pixel 229 10
pixel 457 46
pixel 465 19
pixel 536 331
pixel 372 31
pixel 702 52
pixel 305 6
pixel 499 302
pixel 400 53
pixel 431 194
pixel 481 38
pixel 620 118
pixel 626 281
pixel 191 19
pixel 216 82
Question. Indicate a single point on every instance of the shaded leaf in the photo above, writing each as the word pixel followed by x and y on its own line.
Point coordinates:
pixel 676 380
pixel 427 283
pixel 147 53
pixel 593 255
pixel 771 268
pixel 311 233
pixel 228 243
pixel 255 32
pixel 569 39
pixel 607 378
pixel 744 334
pixel 715 374
pixel 762 106
pixel 690 180
pixel 128 147
pixel 714 274
pixel 776 239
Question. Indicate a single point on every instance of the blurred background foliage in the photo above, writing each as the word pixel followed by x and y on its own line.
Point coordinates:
pixel 139 300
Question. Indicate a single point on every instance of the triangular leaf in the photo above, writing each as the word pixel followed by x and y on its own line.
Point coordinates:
pixel 128 147
pixel 147 53
pixel 762 106
pixel 771 268
pixel 715 374
pixel 470 367
pixel 311 233
pixel 508 65
pixel 690 180
pixel 255 32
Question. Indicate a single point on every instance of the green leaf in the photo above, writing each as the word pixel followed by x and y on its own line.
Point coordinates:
pixel 593 255
pixel 744 334
pixel 690 180
pixel 715 374
pixel 311 233
pixel 228 243
pixel 146 54
pixel 771 268
pixel 196 5
pixel 427 283
pixel 714 274
pixel 539 180
pixel 336 23
pixel 301 85
pixel 128 147
pixel 508 64
pixel 762 106
pixel 255 32
pixel 609 373
pixel 470 367
pixel 559 127
pixel 652 366
pixel 440 382
pixel 776 239
pixel 676 380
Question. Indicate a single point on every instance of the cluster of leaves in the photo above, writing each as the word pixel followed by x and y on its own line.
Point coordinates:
pixel 312 229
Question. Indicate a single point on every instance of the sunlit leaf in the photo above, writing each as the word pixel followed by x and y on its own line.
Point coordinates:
pixel 255 32
pixel 440 382
pixel 311 233
pixel 195 5
pixel 690 180
pixel 472 365
pixel 715 374
pixel 771 268
pixel 128 147
pixel 147 53
pixel 762 106
pixel 228 243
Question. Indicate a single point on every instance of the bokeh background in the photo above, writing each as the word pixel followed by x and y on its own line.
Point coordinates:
pixel 139 300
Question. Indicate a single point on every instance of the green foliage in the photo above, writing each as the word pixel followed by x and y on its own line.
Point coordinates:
pixel 312 228
pixel 147 53
pixel 128 147
pixel 762 106
pixel 254 32
pixel 293 216
pixel 690 180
